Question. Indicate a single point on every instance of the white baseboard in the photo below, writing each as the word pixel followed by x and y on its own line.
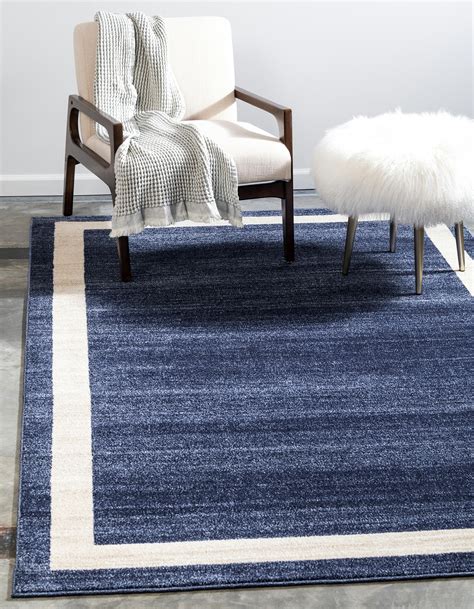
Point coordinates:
pixel 30 185
pixel 303 179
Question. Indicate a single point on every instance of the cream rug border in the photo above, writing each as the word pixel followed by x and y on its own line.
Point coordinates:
pixel 72 537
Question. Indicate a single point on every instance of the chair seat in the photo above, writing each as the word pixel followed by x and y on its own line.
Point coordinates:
pixel 258 155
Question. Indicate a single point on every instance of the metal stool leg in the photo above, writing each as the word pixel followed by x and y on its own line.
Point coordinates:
pixel 351 230
pixel 419 252
pixel 393 235
pixel 459 230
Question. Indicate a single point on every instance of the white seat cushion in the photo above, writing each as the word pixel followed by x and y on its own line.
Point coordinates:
pixel 259 156
pixel 415 167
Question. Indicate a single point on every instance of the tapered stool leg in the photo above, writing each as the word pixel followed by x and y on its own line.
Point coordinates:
pixel 419 252
pixel 351 230
pixel 393 235
pixel 459 230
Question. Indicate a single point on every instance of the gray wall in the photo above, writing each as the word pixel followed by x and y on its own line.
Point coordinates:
pixel 328 60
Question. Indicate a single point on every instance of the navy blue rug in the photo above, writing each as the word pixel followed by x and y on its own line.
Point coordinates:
pixel 227 419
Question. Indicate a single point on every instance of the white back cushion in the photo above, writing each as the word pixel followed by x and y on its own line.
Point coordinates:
pixel 201 56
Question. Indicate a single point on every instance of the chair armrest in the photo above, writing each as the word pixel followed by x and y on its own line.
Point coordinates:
pixel 259 102
pixel 281 113
pixel 114 127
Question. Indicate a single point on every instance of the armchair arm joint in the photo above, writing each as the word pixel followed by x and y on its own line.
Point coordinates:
pixel 282 114
pixel 114 127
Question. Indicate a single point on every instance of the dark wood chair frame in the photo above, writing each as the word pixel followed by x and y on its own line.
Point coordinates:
pixel 78 152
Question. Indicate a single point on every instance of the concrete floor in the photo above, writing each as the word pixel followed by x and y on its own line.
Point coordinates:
pixel 15 215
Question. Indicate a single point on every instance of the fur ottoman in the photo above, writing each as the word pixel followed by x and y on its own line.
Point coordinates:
pixel 418 168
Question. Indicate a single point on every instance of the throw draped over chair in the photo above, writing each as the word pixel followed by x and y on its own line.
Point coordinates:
pixel 201 56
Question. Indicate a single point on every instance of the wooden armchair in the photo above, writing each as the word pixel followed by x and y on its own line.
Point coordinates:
pixel 201 55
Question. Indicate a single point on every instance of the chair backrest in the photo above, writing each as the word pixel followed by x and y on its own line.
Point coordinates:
pixel 201 56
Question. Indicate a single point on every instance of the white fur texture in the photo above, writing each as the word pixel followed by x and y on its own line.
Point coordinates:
pixel 417 167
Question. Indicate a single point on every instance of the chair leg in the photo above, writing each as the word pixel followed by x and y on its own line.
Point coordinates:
pixel 351 231
pixel 68 192
pixel 124 258
pixel 122 249
pixel 419 253
pixel 393 235
pixel 288 223
pixel 459 230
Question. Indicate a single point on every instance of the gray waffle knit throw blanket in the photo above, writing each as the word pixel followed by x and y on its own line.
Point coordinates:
pixel 166 170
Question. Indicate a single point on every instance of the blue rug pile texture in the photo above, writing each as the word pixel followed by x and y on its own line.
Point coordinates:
pixel 235 396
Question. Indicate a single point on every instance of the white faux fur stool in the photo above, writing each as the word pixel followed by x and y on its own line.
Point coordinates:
pixel 418 168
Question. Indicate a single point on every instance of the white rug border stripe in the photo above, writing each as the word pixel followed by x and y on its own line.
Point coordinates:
pixel 72 518
pixel 445 242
